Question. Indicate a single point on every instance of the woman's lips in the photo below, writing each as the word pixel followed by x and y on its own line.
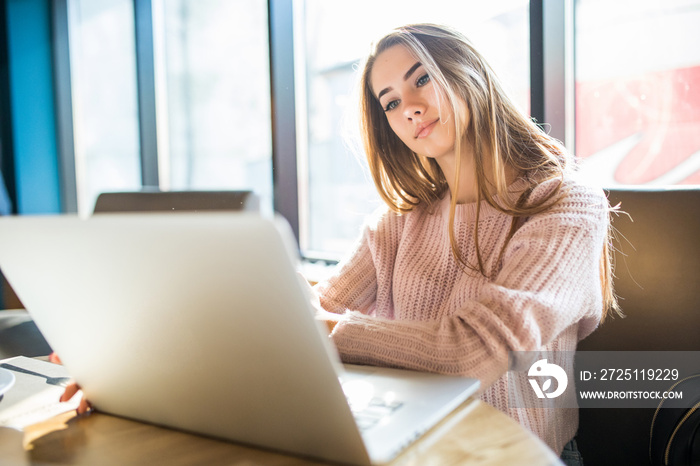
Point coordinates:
pixel 424 129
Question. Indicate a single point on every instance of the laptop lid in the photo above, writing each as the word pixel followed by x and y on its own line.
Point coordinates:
pixel 192 321
pixel 199 322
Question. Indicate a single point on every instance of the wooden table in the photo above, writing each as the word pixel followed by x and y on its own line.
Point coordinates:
pixel 476 434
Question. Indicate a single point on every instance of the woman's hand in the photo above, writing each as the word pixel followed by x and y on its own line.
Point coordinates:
pixel 72 389
pixel 328 318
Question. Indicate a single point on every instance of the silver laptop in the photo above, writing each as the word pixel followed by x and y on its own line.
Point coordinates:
pixel 199 322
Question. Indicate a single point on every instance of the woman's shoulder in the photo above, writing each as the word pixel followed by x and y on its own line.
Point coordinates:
pixel 382 218
pixel 570 189
pixel 570 195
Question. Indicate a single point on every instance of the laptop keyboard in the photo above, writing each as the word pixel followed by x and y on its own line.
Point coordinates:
pixel 370 405
pixel 378 409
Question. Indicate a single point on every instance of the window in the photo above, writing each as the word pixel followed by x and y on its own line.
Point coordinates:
pixel 103 70
pixel 213 90
pixel 336 191
pixel 638 91
pixel 637 94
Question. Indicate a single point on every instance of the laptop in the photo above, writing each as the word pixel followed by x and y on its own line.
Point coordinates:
pixel 199 322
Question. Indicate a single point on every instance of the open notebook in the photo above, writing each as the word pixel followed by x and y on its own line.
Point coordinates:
pixel 199 322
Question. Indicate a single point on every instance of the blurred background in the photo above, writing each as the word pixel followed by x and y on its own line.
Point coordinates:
pixel 114 95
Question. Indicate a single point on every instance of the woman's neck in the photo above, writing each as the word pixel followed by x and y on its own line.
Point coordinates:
pixel 467 191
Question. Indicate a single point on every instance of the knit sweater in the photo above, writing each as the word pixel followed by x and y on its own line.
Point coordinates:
pixel 407 303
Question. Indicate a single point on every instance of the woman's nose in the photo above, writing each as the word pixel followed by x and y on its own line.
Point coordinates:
pixel 414 109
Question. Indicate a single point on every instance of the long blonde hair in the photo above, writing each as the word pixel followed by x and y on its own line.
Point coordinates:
pixel 501 136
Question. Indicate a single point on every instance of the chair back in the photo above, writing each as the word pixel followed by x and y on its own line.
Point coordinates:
pixel 19 336
pixel 174 201
pixel 657 279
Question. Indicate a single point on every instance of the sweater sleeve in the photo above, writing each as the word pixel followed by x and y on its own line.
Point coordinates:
pixel 549 280
pixel 354 283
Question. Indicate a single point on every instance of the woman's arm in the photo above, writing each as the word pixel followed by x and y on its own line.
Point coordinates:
pixel 354 283
pixel 549 280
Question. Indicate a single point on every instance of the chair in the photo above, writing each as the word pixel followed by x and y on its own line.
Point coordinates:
pixel 657 278
pixel 19 336
pixel 18 333
pixel 173 201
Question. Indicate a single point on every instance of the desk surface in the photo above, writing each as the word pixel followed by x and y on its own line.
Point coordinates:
pixel 482 435
pixel 476 433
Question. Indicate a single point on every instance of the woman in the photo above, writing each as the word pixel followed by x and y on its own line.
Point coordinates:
pixel 487 244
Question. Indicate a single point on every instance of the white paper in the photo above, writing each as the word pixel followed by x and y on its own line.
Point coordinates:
pixel 31 399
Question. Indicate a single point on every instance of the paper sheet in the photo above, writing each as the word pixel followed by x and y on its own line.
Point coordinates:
pixel 32 398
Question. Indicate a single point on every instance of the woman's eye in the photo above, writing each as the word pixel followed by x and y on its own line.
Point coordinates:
pixel 423 80
pixel 391 105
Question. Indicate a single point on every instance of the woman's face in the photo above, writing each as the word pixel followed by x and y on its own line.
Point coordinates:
pixel 418 115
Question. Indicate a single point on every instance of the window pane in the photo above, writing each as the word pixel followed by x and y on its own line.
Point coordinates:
pixel 336 191
pixel 213 87
pixel 638 91
pixel 103 85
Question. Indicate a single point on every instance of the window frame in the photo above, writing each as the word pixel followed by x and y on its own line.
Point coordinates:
pixel 551 24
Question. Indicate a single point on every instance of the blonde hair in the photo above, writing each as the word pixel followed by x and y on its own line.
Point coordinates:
pixel 501 136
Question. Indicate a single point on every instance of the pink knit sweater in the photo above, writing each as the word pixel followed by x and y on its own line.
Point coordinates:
pixel 406 302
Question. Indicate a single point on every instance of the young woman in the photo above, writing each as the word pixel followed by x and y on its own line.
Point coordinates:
pixel 487 244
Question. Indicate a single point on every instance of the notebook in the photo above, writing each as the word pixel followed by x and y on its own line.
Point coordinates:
pixel 199 322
